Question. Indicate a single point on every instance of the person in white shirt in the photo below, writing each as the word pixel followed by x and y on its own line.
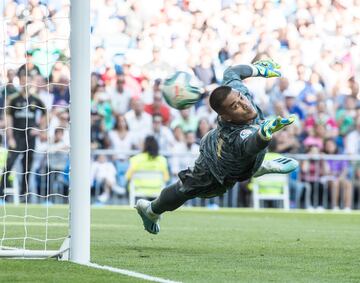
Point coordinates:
pixel 122 140
pixel 162 134
pixel 139 122
pixel 120 96
pixel 103 173
pixel 184 153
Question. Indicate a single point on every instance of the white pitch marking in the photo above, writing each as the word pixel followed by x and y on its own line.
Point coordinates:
pixel 130 273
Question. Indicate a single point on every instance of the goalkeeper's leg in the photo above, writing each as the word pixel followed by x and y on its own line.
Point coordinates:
pixel 169 199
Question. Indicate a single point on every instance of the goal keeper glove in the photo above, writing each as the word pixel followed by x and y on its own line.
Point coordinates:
pixel 273 125
pixel 267 68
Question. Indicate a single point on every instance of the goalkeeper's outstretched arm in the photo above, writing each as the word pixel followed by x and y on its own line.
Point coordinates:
pixel 263 68
pixel 256 142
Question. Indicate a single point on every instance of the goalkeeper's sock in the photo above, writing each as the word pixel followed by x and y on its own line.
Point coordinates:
pixel 169 199
pixel 255 71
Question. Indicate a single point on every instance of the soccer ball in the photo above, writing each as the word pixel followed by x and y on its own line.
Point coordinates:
pixel 180 91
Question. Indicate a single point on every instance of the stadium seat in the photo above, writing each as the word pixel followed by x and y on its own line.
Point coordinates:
pixel 145 184
pixel 271 187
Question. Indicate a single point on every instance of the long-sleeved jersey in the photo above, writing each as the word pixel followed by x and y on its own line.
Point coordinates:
pixel 234 152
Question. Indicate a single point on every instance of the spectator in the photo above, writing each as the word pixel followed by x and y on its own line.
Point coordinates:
pixel 205 111
pixel 98 134
pixel 158 107
pixel 138 120
pixel 205 70
pixel 23 125
pixel 202 129
pixel 311 171
pixel 148 160
pixel 187 155
pixel 287 141
pixel 9 88
pixel 321 116
pixel 352 140
pixel 345 116
pixel 316 136
pixel 338 170
pixel 292 106
pixel 120 96
pixel 157 68
pixel 103 174
pixel 101 104
pixel 29 69
pixel 186 121
pixel 162 134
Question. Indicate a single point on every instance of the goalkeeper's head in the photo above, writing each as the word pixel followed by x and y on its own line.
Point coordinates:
pixel 232 106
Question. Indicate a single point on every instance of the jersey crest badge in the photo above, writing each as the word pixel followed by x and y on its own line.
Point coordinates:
pixel 245 133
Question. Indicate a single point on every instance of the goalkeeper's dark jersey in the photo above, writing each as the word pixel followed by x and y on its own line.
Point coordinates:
pixel 228 154
pixel 234 152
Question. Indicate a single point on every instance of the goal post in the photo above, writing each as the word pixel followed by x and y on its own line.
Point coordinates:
pixel 80 132
pixel 20 224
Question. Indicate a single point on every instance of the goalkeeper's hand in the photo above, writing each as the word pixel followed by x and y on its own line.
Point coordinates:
pixel 267 68
pixel 273 125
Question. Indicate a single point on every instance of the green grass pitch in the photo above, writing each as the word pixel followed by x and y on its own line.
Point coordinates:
pixel 198 245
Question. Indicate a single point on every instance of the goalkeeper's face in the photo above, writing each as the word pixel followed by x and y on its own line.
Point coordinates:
pixel 237 108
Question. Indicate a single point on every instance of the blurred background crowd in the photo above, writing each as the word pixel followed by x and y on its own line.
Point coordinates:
pixel 135 44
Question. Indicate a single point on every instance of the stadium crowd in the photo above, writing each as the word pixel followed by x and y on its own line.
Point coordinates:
pixel 136 44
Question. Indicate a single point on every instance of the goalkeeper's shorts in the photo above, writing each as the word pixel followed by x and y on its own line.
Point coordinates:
pixel 199 182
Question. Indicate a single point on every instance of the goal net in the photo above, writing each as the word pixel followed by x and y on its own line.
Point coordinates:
pixel 35 128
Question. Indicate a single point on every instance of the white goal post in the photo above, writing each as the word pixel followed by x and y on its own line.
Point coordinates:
pixel 76 247
pixel 80 132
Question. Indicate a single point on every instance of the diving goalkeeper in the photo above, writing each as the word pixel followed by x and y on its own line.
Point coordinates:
pixel 232 152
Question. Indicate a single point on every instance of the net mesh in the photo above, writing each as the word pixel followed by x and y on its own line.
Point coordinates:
pixel 34 124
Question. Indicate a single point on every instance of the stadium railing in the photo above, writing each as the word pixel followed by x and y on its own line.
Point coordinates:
pixel 308 189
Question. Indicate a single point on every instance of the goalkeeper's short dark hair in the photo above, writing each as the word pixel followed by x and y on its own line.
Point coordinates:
pixel 218 96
